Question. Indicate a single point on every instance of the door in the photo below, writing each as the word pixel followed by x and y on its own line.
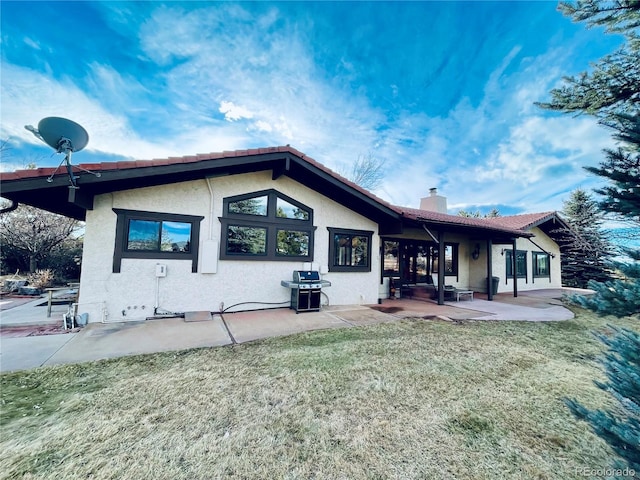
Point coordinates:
pixel 414 261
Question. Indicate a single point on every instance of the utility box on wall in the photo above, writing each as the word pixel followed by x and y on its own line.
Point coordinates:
pixel 209 256
pixel 161 270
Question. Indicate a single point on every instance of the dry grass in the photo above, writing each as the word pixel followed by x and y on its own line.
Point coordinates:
pixel 413 399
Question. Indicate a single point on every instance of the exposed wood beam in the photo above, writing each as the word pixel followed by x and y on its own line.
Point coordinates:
pixel 281 168
pixel 81 198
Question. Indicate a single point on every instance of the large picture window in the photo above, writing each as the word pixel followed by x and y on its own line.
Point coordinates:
pixel 541 265
pixel 156 235
pixel 521 263
pixel 349 250
pixel 266 225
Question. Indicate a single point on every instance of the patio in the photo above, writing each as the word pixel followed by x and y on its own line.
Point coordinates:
pixel 25 344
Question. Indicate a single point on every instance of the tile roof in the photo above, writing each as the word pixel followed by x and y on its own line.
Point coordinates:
pixel 444 218
pixel 157 162
pixel 517 224
pixel 524 221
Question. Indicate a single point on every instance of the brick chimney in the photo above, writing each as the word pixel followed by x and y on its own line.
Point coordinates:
pixel 434 202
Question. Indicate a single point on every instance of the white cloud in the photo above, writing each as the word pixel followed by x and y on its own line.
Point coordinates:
pixel 234 112
pixel 232 79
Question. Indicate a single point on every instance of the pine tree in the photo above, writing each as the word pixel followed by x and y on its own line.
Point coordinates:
pixel 611 93
pixel 621 428
pixel 584 246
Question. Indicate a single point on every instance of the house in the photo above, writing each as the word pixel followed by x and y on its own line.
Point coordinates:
pixel 219 232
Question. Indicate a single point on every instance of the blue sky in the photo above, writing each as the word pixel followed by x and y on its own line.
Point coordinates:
pixel 443 92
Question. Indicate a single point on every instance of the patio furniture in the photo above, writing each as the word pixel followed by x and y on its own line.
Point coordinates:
pixel 462 293
pixel 449 292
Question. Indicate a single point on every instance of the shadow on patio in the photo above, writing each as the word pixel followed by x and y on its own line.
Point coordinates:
pixel 538 305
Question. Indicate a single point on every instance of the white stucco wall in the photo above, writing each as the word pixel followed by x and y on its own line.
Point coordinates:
pixel 131 294
pixel 530 283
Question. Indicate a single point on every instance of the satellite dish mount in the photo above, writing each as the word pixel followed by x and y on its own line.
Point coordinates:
pixel 64 136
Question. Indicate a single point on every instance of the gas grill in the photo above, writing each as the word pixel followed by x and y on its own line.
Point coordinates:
pixel 306 288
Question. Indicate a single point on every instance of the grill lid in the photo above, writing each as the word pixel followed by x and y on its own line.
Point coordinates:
pixel 306 276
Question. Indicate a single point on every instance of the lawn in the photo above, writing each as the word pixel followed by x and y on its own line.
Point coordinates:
pixel 412 399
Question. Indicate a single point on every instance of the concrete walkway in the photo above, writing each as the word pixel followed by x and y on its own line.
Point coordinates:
pixel 110 340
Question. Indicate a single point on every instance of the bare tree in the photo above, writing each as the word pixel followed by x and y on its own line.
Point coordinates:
pixel 367 171
pixel 34 233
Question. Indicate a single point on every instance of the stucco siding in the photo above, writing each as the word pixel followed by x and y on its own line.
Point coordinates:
pixel 133 293
pixel 528 283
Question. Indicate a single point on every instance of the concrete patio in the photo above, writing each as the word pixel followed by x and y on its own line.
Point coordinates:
pixel 22 346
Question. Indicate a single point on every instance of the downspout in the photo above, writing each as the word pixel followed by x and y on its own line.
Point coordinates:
pixel 210 208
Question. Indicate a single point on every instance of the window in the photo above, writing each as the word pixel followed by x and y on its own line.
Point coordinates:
pixel 450 259
pixel 163 236
pixel 266 225
pixel 541 265
pixel 158 236
pixel 521 263
pixel 349 250
pixel 391 264
pixel 246 240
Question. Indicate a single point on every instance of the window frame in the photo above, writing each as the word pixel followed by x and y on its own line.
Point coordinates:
pixel 271 222
pixel 534 264
pixel 333 231
pixel 455 259
pixel 121 249
pixel 508 264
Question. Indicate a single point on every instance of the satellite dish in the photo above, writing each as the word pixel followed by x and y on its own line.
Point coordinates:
pixel 64 136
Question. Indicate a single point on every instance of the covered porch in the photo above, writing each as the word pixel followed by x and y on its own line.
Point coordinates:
pixel 445 263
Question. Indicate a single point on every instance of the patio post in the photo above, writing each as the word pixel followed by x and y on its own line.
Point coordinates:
pixel 441 260
pixel 514 264
pixel 489 269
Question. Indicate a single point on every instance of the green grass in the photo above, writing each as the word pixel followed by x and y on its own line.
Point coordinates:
pixel 412 399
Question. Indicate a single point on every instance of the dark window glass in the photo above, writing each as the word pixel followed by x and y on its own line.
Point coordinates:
pixel 391 261
pixel 250 206
pixel 521 263
pixel 541 265
pixel 349 250
pixel 246 240
pixel 285 209
pixel 266 225
pixel 176 237
pixel 144 235
pixel 450 264
pixel 450 259
pixel 292 243
pixel 156 235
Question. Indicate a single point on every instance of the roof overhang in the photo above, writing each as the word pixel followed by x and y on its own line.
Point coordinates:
pixel 32 188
